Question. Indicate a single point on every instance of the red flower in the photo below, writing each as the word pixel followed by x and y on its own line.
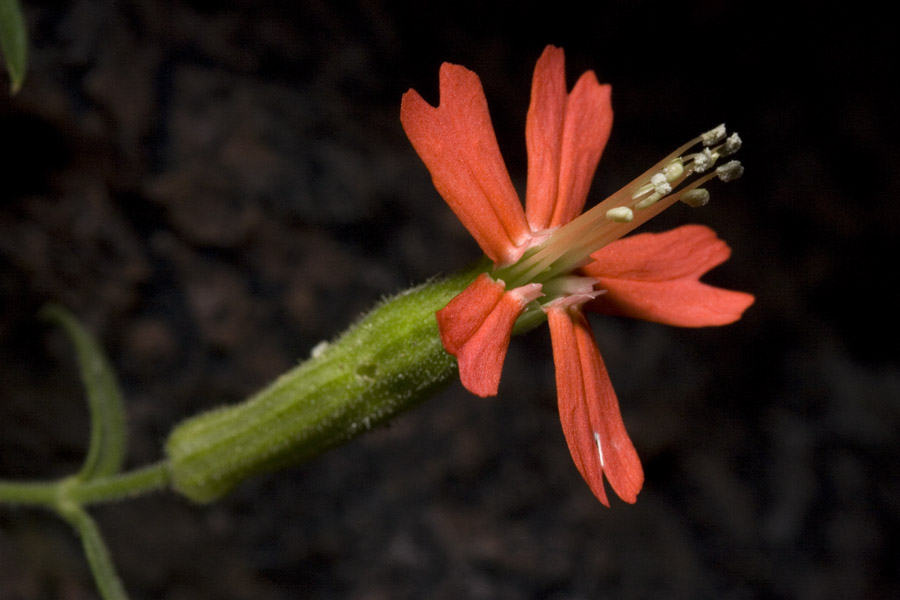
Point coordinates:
pixel 549 260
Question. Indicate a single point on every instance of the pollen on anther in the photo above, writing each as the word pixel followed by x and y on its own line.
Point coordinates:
pixel 731 145
pixel 660 183
pixel 730 171
pixel 703 160
pixel 713 136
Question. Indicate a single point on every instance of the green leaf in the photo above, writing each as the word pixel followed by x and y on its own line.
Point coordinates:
pixel 14 41
pixel 98 557
pixel 107 447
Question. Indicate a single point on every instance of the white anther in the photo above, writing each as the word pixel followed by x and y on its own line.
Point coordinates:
pixel 713 136
pixel 648 201
pixel 730 171
pixel 620 214
pixel 660 184
pixel 673 170
pixel 641 191
pixel 696 198
pixel 731 145
pixel 703 160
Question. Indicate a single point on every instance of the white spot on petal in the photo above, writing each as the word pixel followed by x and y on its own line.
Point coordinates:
pixel 599 447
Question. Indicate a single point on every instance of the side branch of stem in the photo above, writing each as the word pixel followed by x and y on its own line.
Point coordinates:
pixel 55 494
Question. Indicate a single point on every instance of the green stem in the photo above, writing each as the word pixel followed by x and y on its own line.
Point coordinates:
pixel 52 494
pixel 39 493
pixel 115 487
pixel 97 553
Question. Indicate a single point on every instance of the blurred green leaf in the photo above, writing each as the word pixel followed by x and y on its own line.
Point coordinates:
pixel 14 41
pixel 107 447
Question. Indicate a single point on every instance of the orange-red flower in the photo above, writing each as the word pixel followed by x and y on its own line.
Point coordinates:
pixel 550 261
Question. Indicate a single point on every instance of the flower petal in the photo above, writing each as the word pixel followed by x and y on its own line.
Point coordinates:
pixel 589 411
pixel 476 327
pixel 655 277
pixel 565 136
pixel 456 142
pixel 464 314
pixel 543 136
pixel 589 118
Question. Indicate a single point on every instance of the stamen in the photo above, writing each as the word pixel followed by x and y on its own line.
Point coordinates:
pixel 730 171
pixel 570 246
pixel 703 160
pixel 731 145
pixel 642 191
pixel 649 201
pixel 695 198
pixel 713 136
pixel 674 170
pixel 661 183
pixel 620 214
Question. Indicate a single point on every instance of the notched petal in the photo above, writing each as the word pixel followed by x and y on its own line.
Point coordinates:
pixel 589 118
pixel 456 142
pixel 655 277
pixel 476 327
pixel 543 136
pixel 465 313
pixel 688 251
pixel 565 135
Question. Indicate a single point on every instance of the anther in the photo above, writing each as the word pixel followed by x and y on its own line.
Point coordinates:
pixel 731 145
pixel 703 160
pixel 649 201
pixel 713 136
pixel 695 198
pixel 642 191
pixel 730 171
pixel 675 178
pixel 660 183
pixel 673 170
pixel 620 214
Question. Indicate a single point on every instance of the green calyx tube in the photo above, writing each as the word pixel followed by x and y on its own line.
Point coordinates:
pixel 386 363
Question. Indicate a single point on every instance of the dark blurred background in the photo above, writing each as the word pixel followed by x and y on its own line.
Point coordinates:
pixel 215 187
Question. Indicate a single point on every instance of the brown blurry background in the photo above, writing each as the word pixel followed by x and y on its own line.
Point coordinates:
pixel 215 187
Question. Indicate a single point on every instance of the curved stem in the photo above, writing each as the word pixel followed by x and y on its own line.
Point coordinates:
pixel 115 487
pixel 97 553
pixel 101 489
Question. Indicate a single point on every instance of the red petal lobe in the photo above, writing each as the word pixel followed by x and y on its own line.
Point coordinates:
pixel 565 136
pixel 456 142
pixel 589 410
pixel 464 314
pixel 589 118
pixel 655 277
pixel 543 136
pixel 476 327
